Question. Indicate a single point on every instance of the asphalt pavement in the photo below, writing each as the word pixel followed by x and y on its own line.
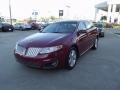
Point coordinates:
pixel 96 70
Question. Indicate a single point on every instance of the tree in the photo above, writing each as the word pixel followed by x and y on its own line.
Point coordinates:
pixel 52 17
pixel 103 18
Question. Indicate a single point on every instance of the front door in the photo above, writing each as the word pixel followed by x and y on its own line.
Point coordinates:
pixel 82 38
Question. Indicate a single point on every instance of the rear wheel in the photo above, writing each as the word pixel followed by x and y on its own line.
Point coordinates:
pixel 21 28
pixel 95 45
pixel 71 59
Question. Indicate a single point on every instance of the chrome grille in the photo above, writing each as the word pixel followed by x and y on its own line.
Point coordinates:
pixel 32 52
pixel 20 50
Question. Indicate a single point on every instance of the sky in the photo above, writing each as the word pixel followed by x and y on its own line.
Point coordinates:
pixel 24 8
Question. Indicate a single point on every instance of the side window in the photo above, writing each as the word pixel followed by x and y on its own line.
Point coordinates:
pixel 81 26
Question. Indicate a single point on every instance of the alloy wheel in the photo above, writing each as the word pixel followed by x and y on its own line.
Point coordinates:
pixel 72 58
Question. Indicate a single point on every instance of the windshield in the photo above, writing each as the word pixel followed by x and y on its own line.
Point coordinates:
pixel 61 27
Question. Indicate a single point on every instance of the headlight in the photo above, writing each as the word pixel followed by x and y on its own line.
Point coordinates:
pixel 19 49
pixel 50 49
pixel 16 46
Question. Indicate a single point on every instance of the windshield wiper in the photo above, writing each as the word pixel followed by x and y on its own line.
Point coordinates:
pixel 56 32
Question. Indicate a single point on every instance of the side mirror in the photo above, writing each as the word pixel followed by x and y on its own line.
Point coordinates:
pixel 82 31
pixel 42 27
pixel 40 30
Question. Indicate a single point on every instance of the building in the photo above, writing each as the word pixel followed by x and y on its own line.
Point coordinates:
pixel 112 9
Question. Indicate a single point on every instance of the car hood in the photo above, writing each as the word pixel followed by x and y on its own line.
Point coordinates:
pixel 44 39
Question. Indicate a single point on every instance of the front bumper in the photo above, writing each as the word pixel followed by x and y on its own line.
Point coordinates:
pixel 45 61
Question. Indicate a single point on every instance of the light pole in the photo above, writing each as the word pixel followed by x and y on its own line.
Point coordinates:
pixel 10 12
pixel 68 7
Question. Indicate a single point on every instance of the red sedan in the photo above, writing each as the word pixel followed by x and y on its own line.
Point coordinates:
pixel 58 45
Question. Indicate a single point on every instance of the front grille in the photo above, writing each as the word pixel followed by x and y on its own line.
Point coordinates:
pixel 20 50
pixel 32 52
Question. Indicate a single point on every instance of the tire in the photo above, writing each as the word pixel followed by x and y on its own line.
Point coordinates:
pixel 95 45
pixel 21 28
pixel 3 30
pixel 102 34
pixel 71 59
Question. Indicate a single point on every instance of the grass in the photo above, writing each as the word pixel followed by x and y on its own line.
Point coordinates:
pixel 116 24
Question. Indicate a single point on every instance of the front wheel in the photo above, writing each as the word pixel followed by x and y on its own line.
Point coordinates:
pixel 3 29
pixel 71 59
pixel 95 45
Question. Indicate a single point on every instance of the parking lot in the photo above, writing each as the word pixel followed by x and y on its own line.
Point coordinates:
pixel 96 70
